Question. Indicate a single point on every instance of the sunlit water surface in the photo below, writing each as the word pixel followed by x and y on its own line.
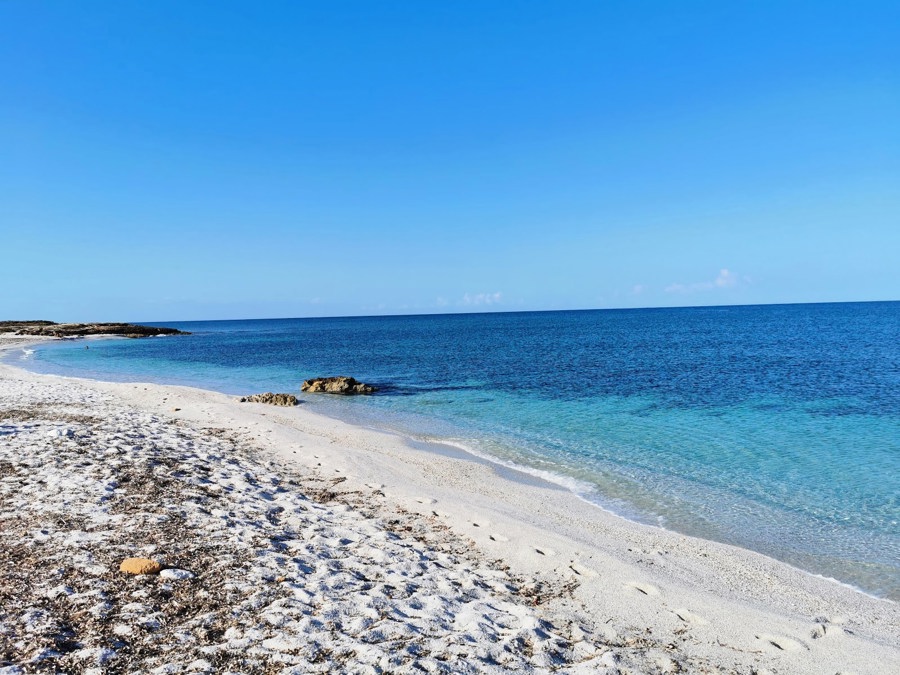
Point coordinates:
pixel 776 428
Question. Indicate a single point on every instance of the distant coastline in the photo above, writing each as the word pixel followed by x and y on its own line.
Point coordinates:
pixel 65 330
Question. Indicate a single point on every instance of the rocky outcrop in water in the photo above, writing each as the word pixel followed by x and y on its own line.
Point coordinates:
pixel 286 400
pixel 61 330
pixel 337 385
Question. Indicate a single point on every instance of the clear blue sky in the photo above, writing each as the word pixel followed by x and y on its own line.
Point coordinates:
pixel 193 160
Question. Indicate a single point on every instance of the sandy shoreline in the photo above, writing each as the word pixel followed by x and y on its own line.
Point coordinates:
pixel 622 597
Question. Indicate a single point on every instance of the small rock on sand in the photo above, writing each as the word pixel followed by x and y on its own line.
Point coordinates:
pixel 271 399
pixel 140 566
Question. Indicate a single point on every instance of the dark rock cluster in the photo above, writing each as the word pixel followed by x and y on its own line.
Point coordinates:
pixel 272 399
pixel 337 385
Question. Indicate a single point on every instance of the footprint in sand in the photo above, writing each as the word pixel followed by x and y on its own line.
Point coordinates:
pixel 426 500
pixel 826 627
pixel 499 537
pixel 645 589
pixel 688 616
pixel 781 642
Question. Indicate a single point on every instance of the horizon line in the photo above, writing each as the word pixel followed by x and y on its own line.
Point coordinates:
pixel 521 311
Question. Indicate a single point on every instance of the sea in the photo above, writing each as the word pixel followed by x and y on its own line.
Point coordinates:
pixel 775 428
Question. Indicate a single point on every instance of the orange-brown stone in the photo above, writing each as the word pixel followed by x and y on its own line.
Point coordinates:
pixel 140 566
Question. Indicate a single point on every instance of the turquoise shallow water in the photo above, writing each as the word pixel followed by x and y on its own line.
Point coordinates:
pixel 775 428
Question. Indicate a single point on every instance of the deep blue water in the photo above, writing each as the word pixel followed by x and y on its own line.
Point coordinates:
pixel 776 428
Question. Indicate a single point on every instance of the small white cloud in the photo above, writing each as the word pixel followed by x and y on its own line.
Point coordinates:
pixel 481 299
pixel 637 289
pixel 726 279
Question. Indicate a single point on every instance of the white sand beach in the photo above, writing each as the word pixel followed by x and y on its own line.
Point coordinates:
pixel 296 543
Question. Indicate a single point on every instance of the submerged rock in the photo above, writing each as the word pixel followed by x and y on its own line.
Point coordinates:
pixel 271 399
pixel 337 385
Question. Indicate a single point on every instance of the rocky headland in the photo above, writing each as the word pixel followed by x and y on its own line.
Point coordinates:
pixel 63 330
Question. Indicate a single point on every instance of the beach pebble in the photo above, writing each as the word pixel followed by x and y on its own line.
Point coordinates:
pixel 95 655
pixel 583 650
pixel 95 570
pixel 233 633
pixel 610 659
pixel 56 592
pixel 140 566
pixel 176 574
pixel 44 655
pixel 166 669
pixel 149 622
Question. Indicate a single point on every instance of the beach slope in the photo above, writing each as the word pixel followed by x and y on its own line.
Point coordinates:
pixel 296 543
